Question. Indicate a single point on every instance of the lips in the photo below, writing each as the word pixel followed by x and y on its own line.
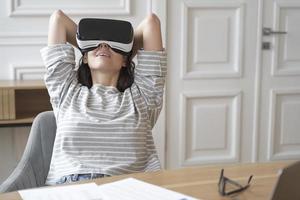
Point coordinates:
pixel 103 54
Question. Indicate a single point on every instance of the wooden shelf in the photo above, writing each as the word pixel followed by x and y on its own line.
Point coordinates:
pixel 24 121
pixel 21 101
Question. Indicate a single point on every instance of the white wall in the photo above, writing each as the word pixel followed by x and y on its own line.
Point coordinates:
pixel 23 32
pixel 226 100
pixel 12 144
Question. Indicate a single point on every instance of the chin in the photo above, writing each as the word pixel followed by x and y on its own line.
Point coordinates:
pixel 99 66
pixel 104 69
pixel 95 68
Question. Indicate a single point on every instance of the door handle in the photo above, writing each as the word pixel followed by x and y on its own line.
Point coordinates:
pixel 269 31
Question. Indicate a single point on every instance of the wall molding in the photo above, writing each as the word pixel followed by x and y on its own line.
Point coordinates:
pixel 23 39
pixel 21 71
pixel 17 9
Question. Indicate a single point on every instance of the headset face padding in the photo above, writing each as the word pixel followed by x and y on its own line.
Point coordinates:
pixel 118 34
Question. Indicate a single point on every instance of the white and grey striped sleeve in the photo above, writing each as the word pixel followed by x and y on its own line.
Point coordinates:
pixel 60 63
pixel 149 78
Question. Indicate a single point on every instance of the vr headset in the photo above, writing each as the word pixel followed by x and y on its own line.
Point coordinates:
pixel 118 34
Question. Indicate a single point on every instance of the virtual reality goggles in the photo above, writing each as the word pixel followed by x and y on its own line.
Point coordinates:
pixel 118 34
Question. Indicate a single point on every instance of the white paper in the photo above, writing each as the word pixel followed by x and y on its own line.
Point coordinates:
pixel 75 192
pixel 133 189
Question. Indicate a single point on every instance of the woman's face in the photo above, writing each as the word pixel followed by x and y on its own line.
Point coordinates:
pixel 104 59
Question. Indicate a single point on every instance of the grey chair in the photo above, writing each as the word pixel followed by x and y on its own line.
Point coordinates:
pixel 32 170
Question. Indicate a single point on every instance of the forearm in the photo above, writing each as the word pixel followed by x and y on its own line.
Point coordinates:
pixel 138 39
pixel 148 35
pixel 61 29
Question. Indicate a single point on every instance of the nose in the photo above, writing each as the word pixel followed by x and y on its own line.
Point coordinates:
pixel 103 45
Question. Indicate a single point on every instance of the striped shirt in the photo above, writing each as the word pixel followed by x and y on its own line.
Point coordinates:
pixel 102 130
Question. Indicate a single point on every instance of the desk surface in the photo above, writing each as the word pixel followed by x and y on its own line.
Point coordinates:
pixel 201 182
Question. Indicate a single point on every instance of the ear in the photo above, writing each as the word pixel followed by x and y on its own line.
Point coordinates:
pixel 85 59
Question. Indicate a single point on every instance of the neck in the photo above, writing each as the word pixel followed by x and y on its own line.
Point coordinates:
pixel 104 78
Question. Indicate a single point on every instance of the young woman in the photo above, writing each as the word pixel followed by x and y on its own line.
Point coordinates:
pixel 103 122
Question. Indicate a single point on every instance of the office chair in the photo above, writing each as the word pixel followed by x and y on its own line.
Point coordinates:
pixel 32 170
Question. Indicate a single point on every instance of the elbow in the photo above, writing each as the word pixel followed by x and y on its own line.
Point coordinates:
pixel 56 16
pixel 152 20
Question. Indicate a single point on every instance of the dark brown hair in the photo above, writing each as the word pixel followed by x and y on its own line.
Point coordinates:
pixel 125 80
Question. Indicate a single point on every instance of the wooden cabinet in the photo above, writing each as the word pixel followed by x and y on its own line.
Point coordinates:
pixel 21 101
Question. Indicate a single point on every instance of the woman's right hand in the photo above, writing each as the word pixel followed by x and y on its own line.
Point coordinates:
pixel 62 29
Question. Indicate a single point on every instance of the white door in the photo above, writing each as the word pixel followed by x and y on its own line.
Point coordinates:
pixel 228 100
pixel 280 93
pixel 210 90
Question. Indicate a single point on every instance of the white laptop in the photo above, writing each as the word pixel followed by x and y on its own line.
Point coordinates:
pixel 287 186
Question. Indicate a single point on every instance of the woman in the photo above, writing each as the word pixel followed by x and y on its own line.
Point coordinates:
pixel 103 122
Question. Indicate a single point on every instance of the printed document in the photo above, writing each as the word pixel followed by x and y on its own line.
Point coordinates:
pixel 87 191
pixel 133 189
pixel 126 189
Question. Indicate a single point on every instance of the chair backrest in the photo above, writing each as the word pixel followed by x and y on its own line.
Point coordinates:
pixel 45 124
pixel 33 168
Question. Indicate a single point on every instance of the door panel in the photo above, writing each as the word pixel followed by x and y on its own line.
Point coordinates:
pixel 210 127
pixel 287 48
pixel 212 39
pixel 280 113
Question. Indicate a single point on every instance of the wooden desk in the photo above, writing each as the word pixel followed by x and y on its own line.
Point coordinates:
pixel 201 182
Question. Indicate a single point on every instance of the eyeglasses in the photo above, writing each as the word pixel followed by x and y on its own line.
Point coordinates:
pixel 225 181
